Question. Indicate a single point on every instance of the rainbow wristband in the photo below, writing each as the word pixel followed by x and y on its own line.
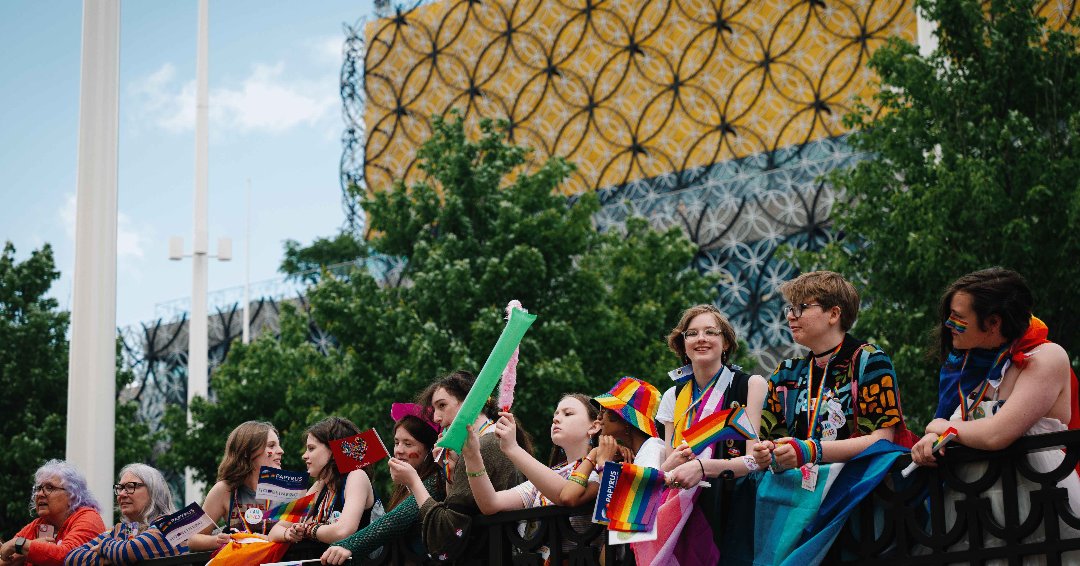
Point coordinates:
pixel 805 451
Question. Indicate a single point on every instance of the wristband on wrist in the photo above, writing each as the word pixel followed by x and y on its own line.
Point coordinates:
pixel 704 476
pixel 476 474
pixel 817 450
pixel 579 479
pixel 589 460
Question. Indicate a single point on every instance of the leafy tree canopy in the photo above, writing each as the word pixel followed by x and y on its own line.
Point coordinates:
pixel 975 164
pixel 34 375
pixel 484 227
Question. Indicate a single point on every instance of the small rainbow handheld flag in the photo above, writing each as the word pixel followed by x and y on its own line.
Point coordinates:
pixel 636 499
pixel 733 424
pixel 292 511
pixel 944 438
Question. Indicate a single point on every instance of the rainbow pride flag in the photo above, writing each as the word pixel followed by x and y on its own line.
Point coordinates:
pixel 292 511
pixel 733 424
pixel 637 496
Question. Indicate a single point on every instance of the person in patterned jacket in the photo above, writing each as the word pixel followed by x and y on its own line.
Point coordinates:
pixel 840 398
pixel 142 496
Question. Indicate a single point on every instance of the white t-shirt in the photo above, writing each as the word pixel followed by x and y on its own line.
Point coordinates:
pixel 666 413
pixel 651 453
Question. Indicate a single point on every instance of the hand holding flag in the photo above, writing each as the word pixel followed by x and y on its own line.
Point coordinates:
pixel 942 439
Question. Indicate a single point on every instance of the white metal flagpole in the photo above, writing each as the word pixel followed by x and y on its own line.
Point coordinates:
pixel 198 366
pixel 247 264
pixel 91 407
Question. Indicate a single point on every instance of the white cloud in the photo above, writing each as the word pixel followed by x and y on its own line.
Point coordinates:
pixel 129 240
pixel 266 101
pixel 328 50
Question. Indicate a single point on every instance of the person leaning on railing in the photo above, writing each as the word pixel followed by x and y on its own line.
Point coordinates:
pixel 344 501
pixel 249 447
pixel 841 397
pixel 574 426
pixel 142 496
pixel 414 438
pixel 67 516
pixel 1023 388
pixel 446 524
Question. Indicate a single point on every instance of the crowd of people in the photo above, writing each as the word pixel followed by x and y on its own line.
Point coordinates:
pixel 1000 379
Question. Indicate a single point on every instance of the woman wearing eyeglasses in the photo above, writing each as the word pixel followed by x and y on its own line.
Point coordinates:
pixel 142 496
pixel 67 516
pixel 704 340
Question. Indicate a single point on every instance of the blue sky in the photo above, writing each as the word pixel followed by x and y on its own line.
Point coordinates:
pixel 275 118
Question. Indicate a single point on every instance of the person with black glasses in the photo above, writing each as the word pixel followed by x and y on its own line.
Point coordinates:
pixel 840 398
pixel 67 516
pixel 142 496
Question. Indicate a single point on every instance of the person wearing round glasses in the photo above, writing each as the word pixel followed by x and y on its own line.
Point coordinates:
pixel 142 496
pixel 840 398
pixel 67 516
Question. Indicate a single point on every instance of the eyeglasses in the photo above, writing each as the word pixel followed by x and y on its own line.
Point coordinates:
pixel 711 332
pixel 48 488
pixel 796 311
pixel 127 488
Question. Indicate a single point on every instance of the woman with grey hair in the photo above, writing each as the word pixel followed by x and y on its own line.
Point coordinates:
pixel 67 516
pixel 142 496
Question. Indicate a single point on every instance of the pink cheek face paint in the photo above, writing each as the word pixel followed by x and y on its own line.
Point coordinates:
pixel 956 324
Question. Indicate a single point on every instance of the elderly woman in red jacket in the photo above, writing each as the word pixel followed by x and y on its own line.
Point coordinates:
pixel 67 516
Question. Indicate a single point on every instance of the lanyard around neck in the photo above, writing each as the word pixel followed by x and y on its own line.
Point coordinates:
pixel 812 413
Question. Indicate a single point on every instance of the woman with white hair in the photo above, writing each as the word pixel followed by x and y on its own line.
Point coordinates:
pixel 142 496
pixel 67 516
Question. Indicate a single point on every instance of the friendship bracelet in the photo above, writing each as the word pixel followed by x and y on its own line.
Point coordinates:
pixel 589 460
pixel 315 532
pixel 703 475
pixel 818 453
pixel 751 464
pixel 476 474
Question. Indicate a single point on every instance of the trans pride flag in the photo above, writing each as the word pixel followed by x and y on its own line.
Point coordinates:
pixel 636 498
pixel 293 511
pixel 733 424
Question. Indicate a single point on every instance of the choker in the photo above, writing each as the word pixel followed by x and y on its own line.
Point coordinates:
pixel 829 352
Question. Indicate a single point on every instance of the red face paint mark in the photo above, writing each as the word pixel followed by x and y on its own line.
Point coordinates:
pixel 413 455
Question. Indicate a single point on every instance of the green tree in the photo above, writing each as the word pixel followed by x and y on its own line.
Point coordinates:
pixel 975 163
pixel 33 377
pixel 486 225
pixel 34 373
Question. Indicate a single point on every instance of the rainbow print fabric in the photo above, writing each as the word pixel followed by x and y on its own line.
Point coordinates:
pixel 636 499
pixel 733 424
pixel 293 511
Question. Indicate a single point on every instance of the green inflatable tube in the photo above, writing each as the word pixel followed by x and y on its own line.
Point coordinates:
pixel 454 437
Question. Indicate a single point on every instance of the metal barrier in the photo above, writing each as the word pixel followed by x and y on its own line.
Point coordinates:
pixel 925 519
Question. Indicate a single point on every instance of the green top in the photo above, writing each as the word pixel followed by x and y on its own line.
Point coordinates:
pixel 395 523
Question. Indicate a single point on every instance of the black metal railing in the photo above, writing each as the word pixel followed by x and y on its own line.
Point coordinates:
pixel 999 499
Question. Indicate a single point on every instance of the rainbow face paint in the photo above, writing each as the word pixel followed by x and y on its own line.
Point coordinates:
pixel 956 324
